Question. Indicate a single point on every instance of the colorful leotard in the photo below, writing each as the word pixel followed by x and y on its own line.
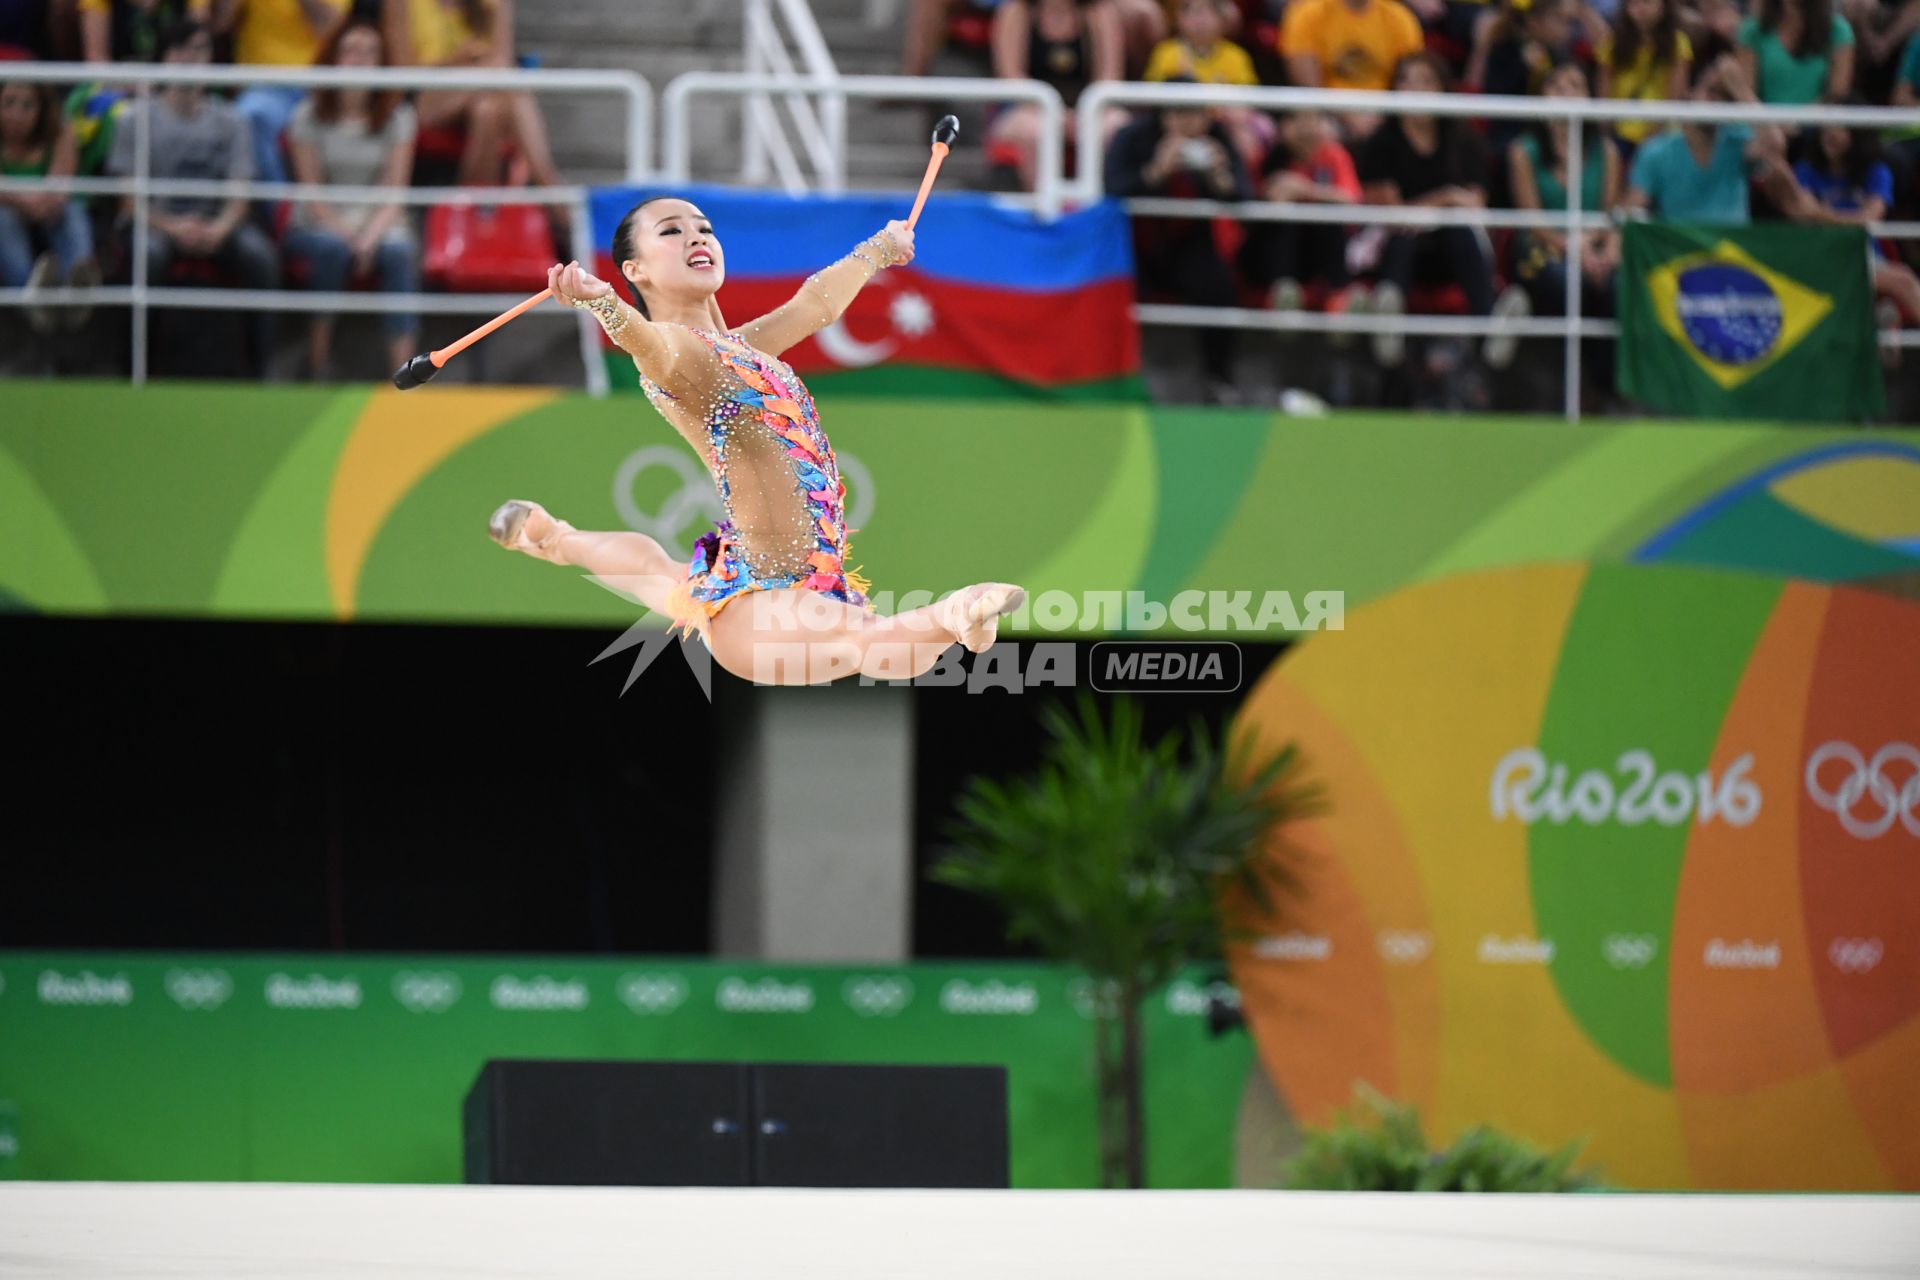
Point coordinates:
pixel 785 502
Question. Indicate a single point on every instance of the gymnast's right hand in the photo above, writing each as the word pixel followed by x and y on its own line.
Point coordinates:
pixel 574 283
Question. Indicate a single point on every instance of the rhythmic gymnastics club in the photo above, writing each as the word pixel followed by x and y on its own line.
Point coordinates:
pixel 423 366
pixel 943 135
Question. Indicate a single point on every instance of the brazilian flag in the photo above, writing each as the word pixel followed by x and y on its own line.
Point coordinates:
pixel 1771 321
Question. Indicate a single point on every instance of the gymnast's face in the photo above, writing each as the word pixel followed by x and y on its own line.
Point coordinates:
pixel 675 252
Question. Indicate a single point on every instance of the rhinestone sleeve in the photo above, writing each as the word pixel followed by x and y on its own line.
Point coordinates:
pixel 823 298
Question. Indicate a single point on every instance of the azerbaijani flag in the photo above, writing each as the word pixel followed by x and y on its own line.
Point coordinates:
pixel 996 300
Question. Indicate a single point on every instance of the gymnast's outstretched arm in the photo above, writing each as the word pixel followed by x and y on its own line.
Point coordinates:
pixel 827 292
pixel 655 348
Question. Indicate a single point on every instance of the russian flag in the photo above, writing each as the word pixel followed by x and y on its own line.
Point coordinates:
pixel 996 299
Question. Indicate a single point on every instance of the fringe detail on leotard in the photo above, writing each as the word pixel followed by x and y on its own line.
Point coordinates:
pixel 858 581
pixel 687 614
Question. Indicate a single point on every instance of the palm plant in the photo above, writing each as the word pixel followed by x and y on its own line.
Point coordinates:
pixel 1117 856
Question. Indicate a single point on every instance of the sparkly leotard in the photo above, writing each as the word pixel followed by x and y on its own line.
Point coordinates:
pixel 781 489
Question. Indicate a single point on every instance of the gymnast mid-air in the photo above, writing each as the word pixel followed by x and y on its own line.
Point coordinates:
pixel 782 545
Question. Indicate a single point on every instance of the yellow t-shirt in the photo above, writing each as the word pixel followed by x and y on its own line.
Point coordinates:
pixel 274 33
pixel 1355 50
pixel 195 9
pixel 1225 63
pixel 440 28
pixel 1642 80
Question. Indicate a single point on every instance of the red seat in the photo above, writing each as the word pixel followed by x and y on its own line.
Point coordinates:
pixel 1437 300
pixel 970 28
pixel 480 250
pixel 439 142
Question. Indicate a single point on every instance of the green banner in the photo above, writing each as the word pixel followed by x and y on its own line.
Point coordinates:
pixel 309 1068
pixel 1772 320
pixel 366 503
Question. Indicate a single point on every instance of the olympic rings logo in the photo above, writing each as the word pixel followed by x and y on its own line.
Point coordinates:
pixel 1855 955
pixel 1405 946
pixel 1630 950
pixel 1092 999
pixel 877 997
pixel 653 993
pixel 1868 779
pixel 426 992
pixel 199 989
pixel 694 501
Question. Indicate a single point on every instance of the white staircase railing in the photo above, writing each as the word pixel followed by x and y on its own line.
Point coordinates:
pixel 818 125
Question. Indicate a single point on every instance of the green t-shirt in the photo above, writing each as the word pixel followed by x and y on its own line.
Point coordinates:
pixel 1786 79
pixel 36 168
pixel 1680 189
pixel 1546 177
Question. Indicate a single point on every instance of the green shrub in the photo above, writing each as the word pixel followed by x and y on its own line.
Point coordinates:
pixel 1377 1145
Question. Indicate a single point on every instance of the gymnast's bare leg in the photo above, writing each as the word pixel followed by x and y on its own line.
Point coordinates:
pixel 786 636
pixel 631 563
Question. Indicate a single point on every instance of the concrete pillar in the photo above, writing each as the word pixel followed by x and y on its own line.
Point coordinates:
pixel 814 836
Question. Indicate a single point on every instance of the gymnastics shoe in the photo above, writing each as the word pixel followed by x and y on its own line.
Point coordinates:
pixel 973 614
pixel 526 526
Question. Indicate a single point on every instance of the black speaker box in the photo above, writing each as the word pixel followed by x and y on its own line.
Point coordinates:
pixel 620 1124
pixel 658 1124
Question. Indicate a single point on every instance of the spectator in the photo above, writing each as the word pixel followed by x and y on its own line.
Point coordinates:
pixel 1516 46
pixel 1906 83
pixel 928 22
pixel 1798 51
pixel 1514 50
pixel 24 30
pixel 1713 26
pixel 1537 165
pixel 1347 44
pixel 1880 33
pixel 1903 151
pixel 354 137
pixel 1648 58
pixel 1183 153
pixel 1699 172
pixel 194 136
pixel 1844 182
pixel 36 143
pixel 129 30
pixel 1199 51
pixel 274 33
pixel 476 33
pixel 1066 43
pixel 1437 163
pixel 1307 165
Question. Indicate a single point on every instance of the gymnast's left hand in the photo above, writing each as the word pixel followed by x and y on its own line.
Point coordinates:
pixel 902 242
pixel 574 283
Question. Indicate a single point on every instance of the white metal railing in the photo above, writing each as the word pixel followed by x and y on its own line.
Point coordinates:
pixel 820 127
pixel 677 131
pixel 827 150
pixel 1570 327
pixel 142 188
pixel 629 85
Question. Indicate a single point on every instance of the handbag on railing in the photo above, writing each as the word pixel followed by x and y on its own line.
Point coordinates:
pixel 486 249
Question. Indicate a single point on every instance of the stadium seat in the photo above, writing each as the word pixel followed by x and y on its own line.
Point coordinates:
pixel 478 250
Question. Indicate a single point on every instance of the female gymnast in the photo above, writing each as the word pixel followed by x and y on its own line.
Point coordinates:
pixel 782 546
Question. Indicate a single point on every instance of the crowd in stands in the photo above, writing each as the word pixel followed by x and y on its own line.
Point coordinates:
pixel 274 133
pixel 1781 52
pixel 1787 52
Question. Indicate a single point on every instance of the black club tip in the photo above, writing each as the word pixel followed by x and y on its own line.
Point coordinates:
pixel 947 130
pixel 414 372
